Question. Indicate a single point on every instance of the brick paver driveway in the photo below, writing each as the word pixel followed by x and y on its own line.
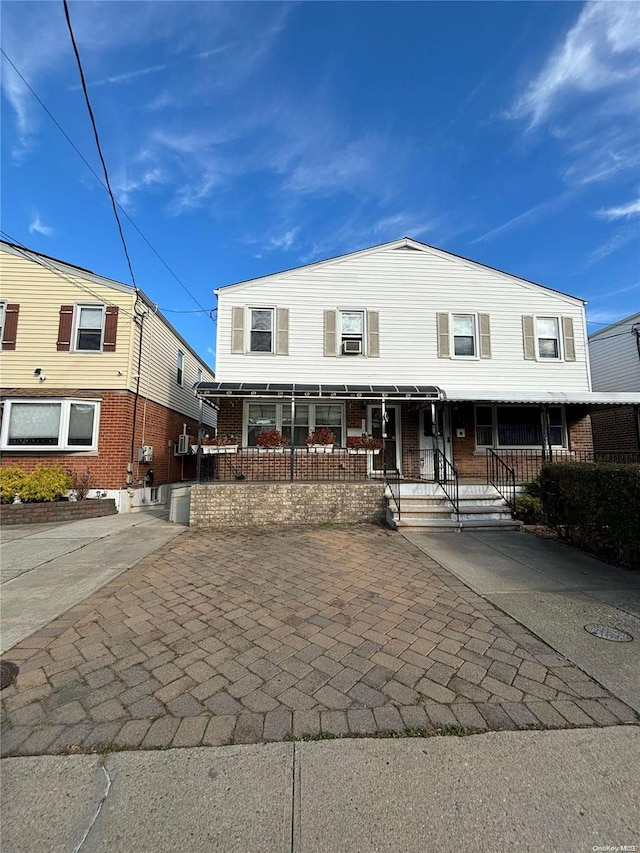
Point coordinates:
pixel 241 637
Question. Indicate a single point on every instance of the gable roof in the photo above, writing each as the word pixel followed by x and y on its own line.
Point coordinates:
pixel 66 269
pixel 403 243
pixel 631 320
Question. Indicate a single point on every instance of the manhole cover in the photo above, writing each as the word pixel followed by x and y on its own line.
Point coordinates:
pixel 606 632
pixel 8 672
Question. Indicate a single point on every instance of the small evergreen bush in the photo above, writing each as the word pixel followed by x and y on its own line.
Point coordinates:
pixel 46 483
pixel 12 480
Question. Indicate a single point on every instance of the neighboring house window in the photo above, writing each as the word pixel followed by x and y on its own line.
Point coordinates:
pixel 180 368
pixel 261 332
pixel 464 335
pixel 199 375
pixel 352 332
pixel 517 426
pixel 308 417
pixel 548 337
pixel 89 328
pixel 50 425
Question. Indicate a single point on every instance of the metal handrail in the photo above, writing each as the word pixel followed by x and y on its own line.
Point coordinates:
pixel 503 479
pixel 446 475
pixel 392 480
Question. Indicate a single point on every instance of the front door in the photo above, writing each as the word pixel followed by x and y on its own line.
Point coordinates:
pixel 390 435
pixel 435 433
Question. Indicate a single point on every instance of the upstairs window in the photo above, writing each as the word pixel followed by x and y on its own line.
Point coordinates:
pixel 261 331
pixel 180 368
pixel 464 335
pixel 89 328
pixel 548 337
pixel 352 332
pixel 50 425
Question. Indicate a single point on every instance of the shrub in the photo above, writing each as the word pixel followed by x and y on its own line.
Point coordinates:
pixel 529 509
pixel 271 438
pixel 596 506
pixel 364 442
pixel 80 484
pixel 321 436
pixel 12 480
pixel 46 483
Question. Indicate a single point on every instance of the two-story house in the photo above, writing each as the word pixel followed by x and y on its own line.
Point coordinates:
pixel 425 349
pixel 95 378
pixel 615 366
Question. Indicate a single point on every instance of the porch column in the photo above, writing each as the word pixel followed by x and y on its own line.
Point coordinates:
pixel 383 424
pixel 293 432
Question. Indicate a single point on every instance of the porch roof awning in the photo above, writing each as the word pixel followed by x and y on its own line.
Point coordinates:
pixel 328 391
pixel 578 398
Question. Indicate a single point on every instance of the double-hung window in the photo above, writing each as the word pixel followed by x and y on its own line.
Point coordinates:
pixel 50 425
pixel 308 417
pixel 261 330
pixel 548 337
pixel 89 328
pixel 518 426
pixel 464 335
pixel 352 332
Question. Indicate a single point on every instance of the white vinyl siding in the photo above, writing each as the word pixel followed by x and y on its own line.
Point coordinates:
pixel 615 357
pixel 406 289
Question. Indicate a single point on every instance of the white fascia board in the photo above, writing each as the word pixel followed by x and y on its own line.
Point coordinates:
pixel 459 395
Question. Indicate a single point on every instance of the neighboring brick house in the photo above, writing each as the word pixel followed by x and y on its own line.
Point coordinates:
pixel 615 366
pixel 94 377
pixel 436 351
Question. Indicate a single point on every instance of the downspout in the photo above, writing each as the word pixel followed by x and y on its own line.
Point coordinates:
pixel 135 406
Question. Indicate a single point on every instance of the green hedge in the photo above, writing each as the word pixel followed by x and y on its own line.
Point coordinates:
pixel 596 507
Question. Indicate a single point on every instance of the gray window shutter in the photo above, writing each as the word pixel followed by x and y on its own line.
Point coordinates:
pixel 528 337
pixel 485 335
pixel 237 329
pixel 373 334
pixel 443 336
pixel 569 339
pixel 282 331
pixel 330 333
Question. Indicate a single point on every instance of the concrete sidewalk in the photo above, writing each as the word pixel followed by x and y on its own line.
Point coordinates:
pixel 553 590
pixel 543 791
pixel 47 568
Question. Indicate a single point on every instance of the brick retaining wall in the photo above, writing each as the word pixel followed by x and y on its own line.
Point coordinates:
pixel 56 511
pixel 238 505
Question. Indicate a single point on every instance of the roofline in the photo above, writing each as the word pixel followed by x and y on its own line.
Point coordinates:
pixel 116 285
pixel 608 328
pixel 408 242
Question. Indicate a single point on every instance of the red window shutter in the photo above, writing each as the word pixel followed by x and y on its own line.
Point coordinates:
pixel 10 330
pixel 110 329
pixel 64 328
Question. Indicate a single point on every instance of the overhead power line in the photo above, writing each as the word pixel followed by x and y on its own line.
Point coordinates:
pixel 97 138
pixel 102 183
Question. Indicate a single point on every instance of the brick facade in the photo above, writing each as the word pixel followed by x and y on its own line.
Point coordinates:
pixel 616 429
pixel 158 426
pixel 228 506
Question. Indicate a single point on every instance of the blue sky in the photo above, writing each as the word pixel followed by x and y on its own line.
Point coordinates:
pixel 246 138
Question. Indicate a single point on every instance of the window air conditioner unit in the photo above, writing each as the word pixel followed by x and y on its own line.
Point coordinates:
pixel 184 445
pixel 353 347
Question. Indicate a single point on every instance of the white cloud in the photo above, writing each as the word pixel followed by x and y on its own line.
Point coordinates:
pixel 613 244
pixel 37 226
pixel 624 211
pixel 598 54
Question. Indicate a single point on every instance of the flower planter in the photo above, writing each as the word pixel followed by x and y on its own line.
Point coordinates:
pixel 362 451
pixel 320 448
pixel 219 448
pixel 272 449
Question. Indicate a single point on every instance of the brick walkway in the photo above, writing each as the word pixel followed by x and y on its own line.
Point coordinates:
pixel 244 637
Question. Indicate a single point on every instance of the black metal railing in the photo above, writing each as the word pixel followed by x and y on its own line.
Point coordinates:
pixel 526 464
pixel 503 479
pixel 392 479
pixel 253 464
pixel 446 476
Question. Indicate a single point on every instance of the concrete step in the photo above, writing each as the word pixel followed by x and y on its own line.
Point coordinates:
pixel 450 524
